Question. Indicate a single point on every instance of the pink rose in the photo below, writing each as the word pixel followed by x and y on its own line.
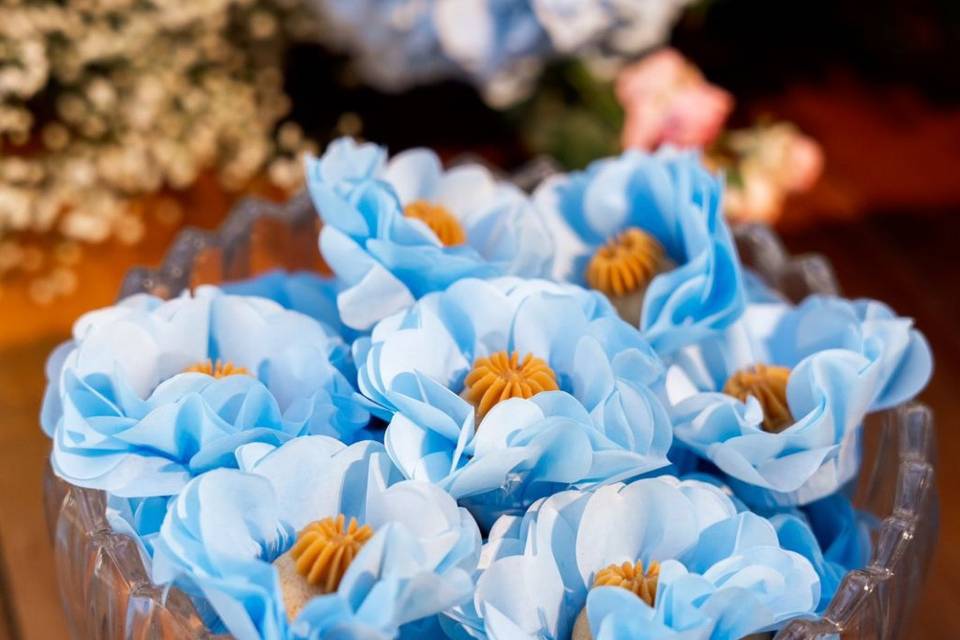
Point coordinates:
pixel 668 101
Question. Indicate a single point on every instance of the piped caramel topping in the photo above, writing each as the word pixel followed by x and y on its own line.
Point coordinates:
pixel 626 264
pixel 501 376
pixel 632 577
pixel 325 549
pixel 217 369
pixel 768 384
pixel 443 223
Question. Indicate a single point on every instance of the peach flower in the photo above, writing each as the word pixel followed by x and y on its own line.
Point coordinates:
pixel 771 161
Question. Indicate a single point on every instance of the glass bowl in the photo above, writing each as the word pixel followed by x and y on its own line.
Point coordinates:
pixel 104 582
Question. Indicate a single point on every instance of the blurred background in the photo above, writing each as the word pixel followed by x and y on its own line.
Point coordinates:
pixel 124 121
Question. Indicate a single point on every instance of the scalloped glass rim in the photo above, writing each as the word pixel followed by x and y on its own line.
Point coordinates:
pixel 104 584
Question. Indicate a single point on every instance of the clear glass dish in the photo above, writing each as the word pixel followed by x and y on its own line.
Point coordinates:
pixel 105 586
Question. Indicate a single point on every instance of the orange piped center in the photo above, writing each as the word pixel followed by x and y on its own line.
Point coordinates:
pixel 627 263
pixel 443 223
pixel 217 369
pixel 325 549
pixel 501 376
pixel 632 577
pixel 769 386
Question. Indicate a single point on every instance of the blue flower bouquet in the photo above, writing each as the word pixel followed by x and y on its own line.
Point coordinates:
pixel 591 411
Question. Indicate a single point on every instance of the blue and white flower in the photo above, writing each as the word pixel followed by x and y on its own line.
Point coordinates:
pixel 393 42
pixel 307 292
pixel 871 328
pixel 498 45
pixel 150 393
pixel 830 533
pixel 395 231
pixel 648 231
pixel 614 27
pixel 657 558
pixel 504 391
pixel 777 402
pixel 245 541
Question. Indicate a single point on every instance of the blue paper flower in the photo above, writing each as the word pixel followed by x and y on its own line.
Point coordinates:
pixel 617 27
pixel 232 538
pixel 150 393
pixel 575 382
pixel 648 231
pixel 138 518
pixel 796 383
pixel 394 231
pixel 871 328
pixel 394 42
pixel 305 292
pixel 832 535
pixel 498 45
pixel 688 565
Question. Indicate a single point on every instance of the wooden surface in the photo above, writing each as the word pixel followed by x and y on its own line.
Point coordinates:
pixel 909 261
